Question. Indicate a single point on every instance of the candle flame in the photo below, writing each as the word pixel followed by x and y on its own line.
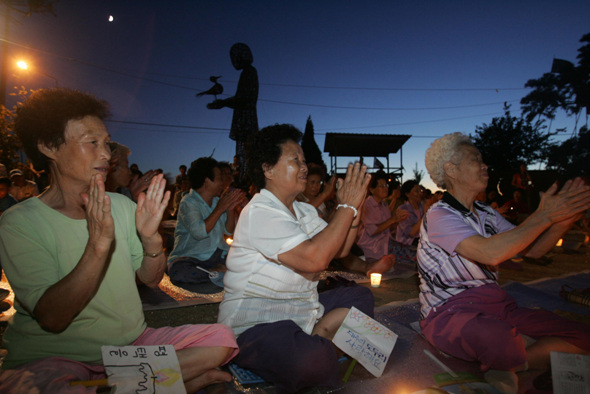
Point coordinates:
pixel 375 280
pixel 560 242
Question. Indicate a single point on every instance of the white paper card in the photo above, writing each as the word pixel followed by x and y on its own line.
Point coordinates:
pixel 143 369
pixel 366 340
pixel 571 373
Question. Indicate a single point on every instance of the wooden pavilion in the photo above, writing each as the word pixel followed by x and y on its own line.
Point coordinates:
pixel 361 146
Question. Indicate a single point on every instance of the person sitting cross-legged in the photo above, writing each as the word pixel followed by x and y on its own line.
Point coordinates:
pixel 73 257
pixel 280 247
pixel 204 217
pixel 464 312
pixel 377 223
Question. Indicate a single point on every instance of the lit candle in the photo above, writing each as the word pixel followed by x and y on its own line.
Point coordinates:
pixel 229 241
pixel 375 280
pixel 559 243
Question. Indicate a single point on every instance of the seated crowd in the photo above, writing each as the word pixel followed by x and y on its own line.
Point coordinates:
pixel 75 251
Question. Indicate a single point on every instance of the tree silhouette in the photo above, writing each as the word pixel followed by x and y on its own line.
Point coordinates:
pixel 312 152
pixel 508 141
pixel 566 87
pixel 9 142
pixel 572 156
pixel 418 174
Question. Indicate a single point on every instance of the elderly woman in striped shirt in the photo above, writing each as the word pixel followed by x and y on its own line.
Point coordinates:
pixel 463 310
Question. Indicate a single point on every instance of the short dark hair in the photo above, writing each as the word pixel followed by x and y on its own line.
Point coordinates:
pixel 316 169
pixel 407 187
pixel 264 147
pixel 182 166
pixel 43 117
pixel 201 169
pixel 223 164
pixel 5 181
pixel 376 176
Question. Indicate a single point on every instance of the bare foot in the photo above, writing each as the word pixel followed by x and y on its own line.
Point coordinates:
pixel 382 265
pixel 207 378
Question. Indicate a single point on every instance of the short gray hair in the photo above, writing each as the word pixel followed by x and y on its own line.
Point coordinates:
pixel 442 151
pixel 118 151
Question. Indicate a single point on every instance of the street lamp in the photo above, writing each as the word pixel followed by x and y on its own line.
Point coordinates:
pixel 24 66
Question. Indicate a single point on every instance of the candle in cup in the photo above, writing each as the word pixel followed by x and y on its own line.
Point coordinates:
pixel 375 280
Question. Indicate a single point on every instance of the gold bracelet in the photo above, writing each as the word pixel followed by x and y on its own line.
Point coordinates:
pixel 147 254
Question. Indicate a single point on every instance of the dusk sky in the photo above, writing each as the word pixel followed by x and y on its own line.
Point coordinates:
pixel 423 68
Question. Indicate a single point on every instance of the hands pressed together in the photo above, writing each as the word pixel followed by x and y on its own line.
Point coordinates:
pixel 151 206
pixel 230 199
pixel 101 227
pixel 352 190
pixel 401 215
pixel 565 206
pixel 140 184
pixel 330 187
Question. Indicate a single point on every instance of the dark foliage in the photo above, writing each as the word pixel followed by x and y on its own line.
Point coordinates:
pixel 508 141
pixel 312 152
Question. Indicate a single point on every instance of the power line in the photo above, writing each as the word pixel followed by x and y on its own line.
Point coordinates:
pixel 214 130
pixel 166 125
pixel 417 122
pixel 130 74
pixel 351 87
pixel 391 108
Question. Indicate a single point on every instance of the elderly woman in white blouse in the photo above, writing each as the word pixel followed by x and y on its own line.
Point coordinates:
pixel 464 312
pixel 284 326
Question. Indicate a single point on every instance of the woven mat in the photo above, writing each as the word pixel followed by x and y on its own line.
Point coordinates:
pixel 409 369
pixel 167 295
pixel 400 270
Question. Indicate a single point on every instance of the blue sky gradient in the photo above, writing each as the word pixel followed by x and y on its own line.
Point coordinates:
pixel 424 68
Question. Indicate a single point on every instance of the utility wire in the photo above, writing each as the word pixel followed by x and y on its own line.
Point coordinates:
pixel 350 87
pixel 390 108
pixel 214 130
pixel 131 75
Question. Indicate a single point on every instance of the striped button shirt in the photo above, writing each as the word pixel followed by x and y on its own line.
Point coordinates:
pixel 443 272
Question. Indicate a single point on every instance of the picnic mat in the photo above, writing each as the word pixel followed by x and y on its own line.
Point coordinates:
pixel 7 314
pixel 400 270
pixel 409 369
pixel 168 295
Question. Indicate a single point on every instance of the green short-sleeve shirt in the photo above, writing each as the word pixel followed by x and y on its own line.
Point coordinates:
pixel 38 247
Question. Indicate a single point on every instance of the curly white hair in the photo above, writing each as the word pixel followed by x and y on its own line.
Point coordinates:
pixel 442 151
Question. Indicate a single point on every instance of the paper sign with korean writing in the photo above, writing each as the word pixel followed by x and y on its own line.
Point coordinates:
pixel 143 369
pixel 365 340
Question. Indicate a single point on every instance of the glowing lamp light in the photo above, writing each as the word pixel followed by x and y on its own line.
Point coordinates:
pixel 375 280
pixel 559 243
pixel 111 18
pixel 22 64
pixel 229 241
